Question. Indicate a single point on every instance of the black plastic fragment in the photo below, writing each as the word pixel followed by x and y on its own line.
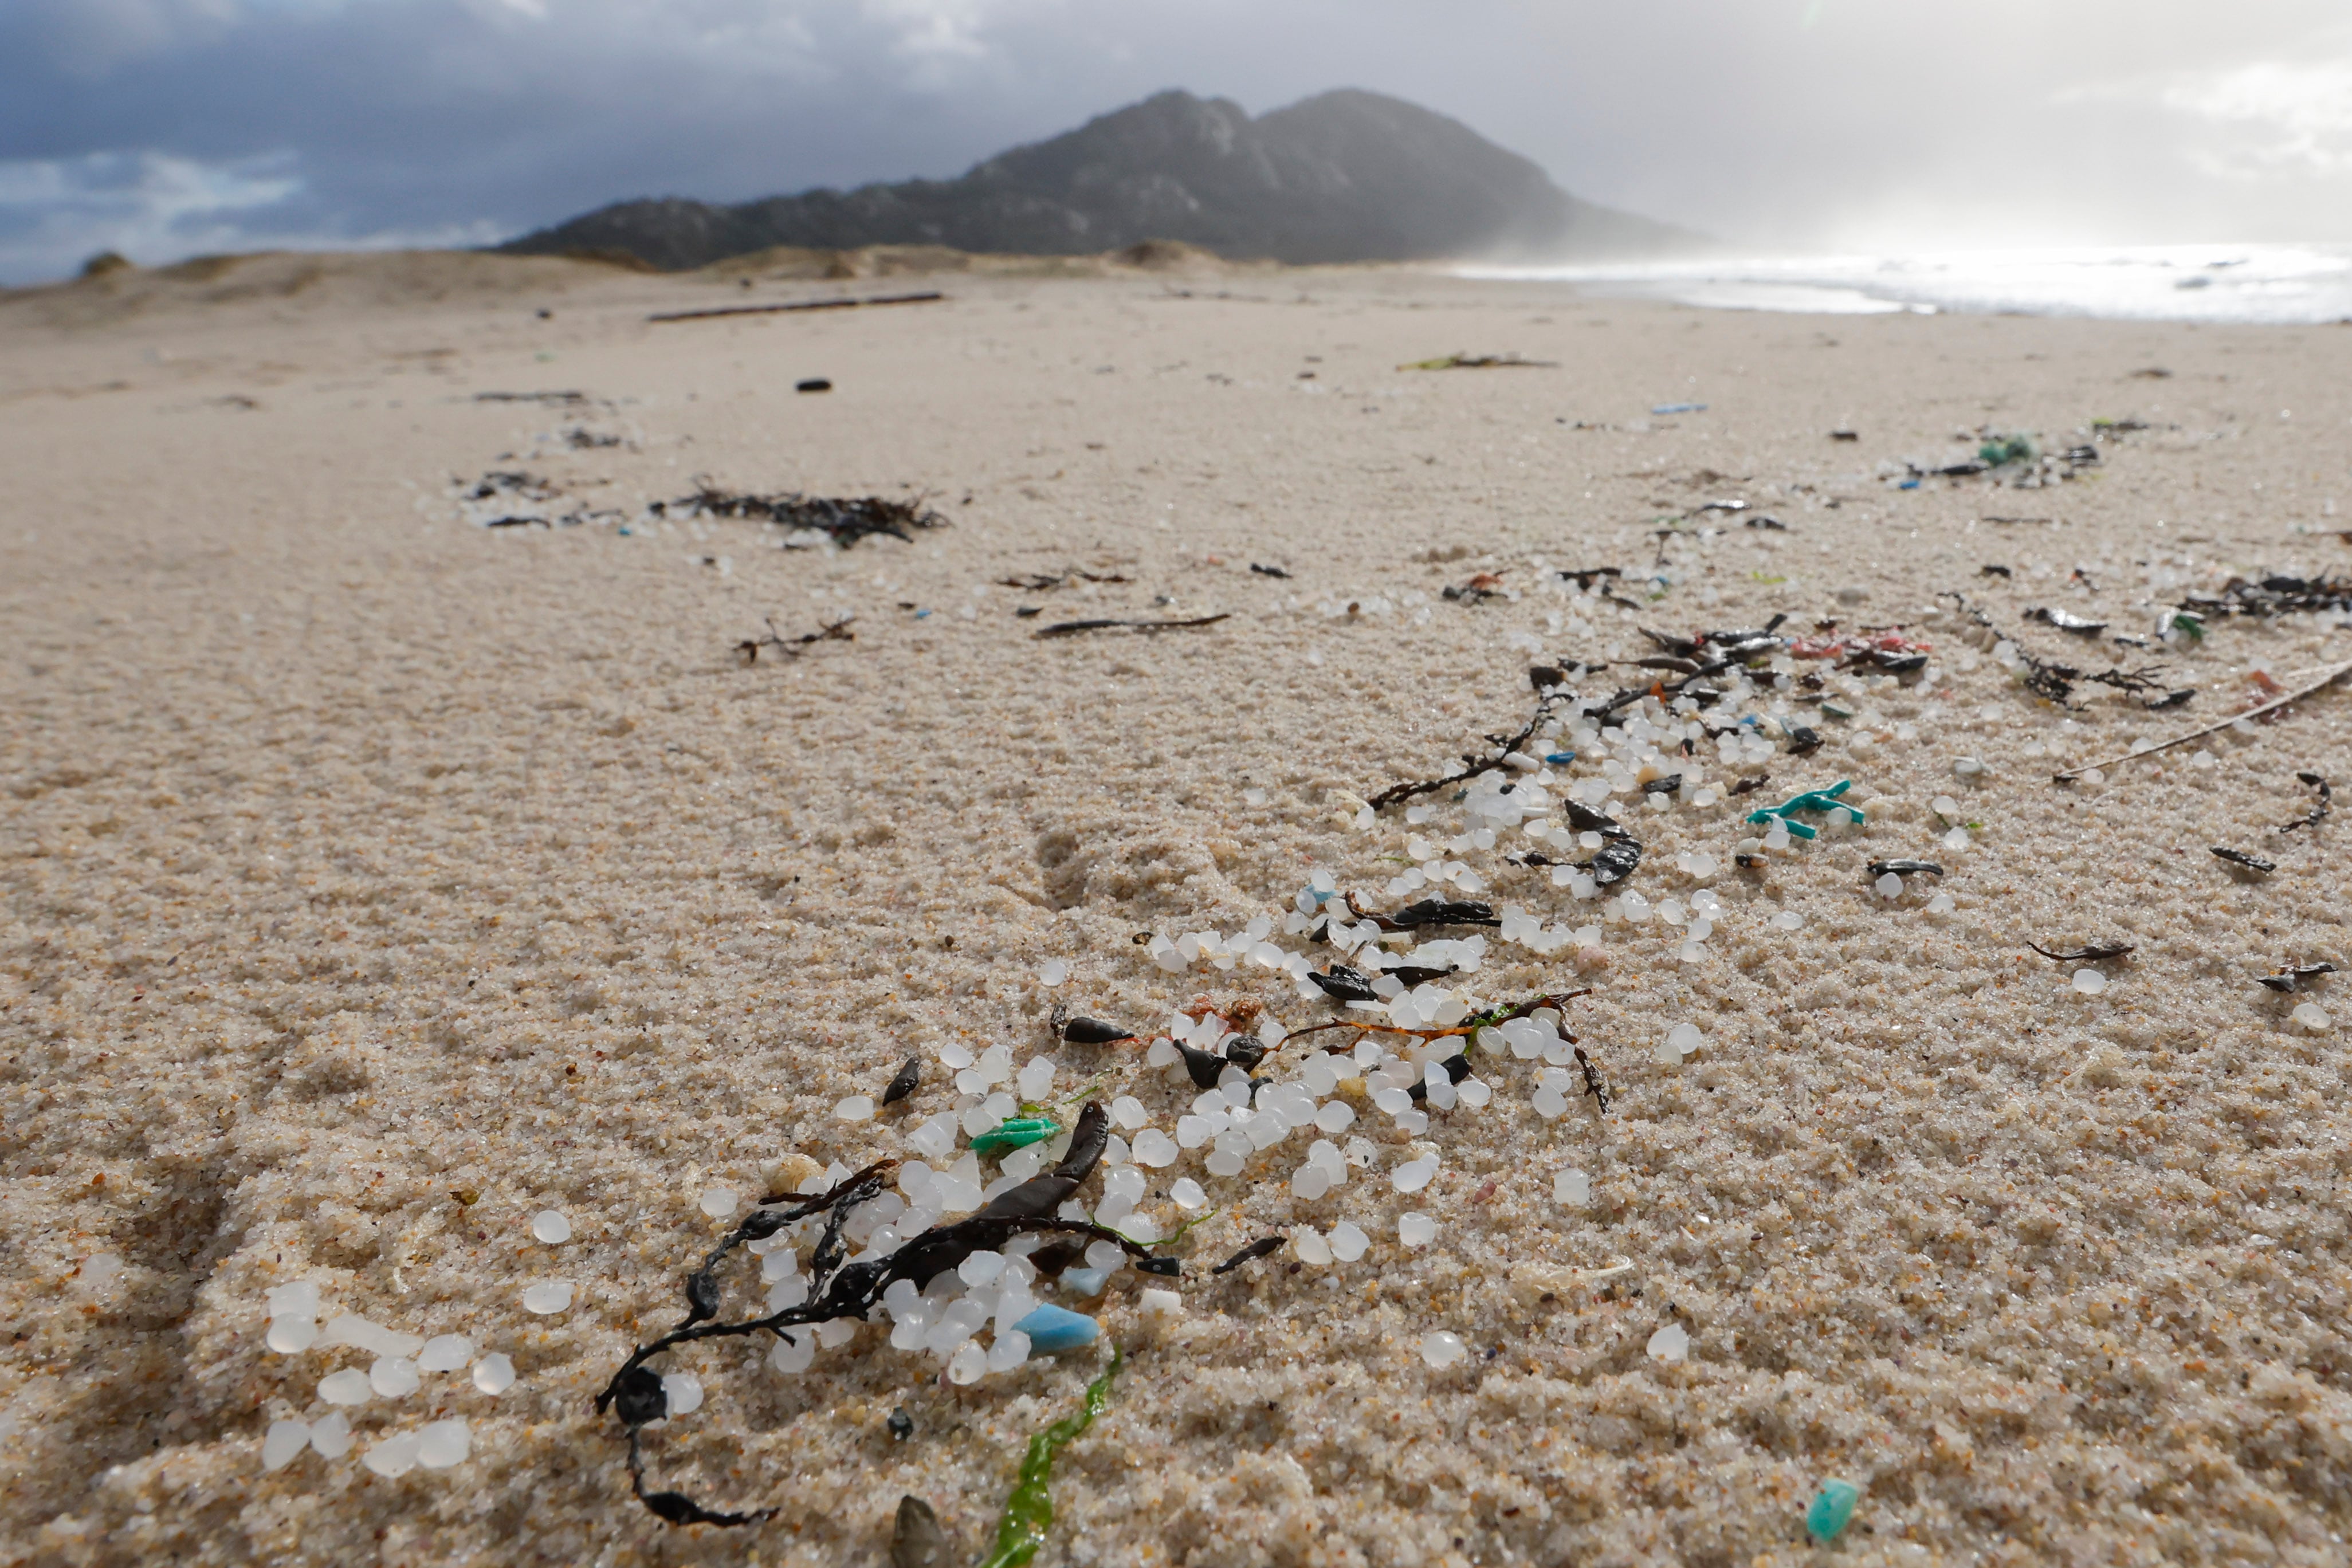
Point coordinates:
pixel 1166 1267
pixel 1246 1051
pixel 813 384
pixel 1457 1068
pixel 1429 911
pixel 1411 974
pixel 909 1079
pixel 1267 570
pixel 1094 1032
pixel 1803 740
pixel 1264 1246
pixel 901 1424
pixel 2317 815
pixel 1904 868
pixel 2240 858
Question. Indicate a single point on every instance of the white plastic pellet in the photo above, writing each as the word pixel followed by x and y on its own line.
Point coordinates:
pixel 1128 1113
pixel 717 1202
pixel 980 1268
pixel 1441 1349
pixel 1889 886
pixel 349 1327
pixel 547 1296
pixel 1788 920
pixel 1311 1249
pixel 441 1444
pixel 1348 1242
pixel 394 1456
pixel 550 1226
pixel 283 1441
pixel 349 1386
pixel 330 1435
pixel 1941 903
pixel 682 1393
pixel 855 1108
pixel 495 1372
pixel 1415 1229
pixel 1413 1175
pixel 1670 1342
pixel 288 1335
pixel 393 1377
pixel 1054 973
pixel 790 1355
pixel 1155 1148
pixel 2311 1015
pixel 298 1299
pixel 1572 1189
pixel 1008 1350
pixel 2090 982
pixel 1160 1304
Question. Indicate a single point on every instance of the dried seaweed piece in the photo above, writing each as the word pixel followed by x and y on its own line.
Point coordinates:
pixel 793 647
pixel 1072 628
pixel 1584 577
pixel 1803 740
pixel 2067 622
pixel 2240 858
pixel 1411 974
pixel 1670 784
pixel 2085 955
pixel 2310 689
pixel 2318 812
pixel 2275 594
pixel 923 299
pixel 1457 1068
pixel 1268 570
pixel 1904 868
pixel 1593 1085
pixel 1748 785
pixel 1204 1067
pixel 909 1079
pixel 1038 582
pixel 1615 861
pixel 1994 571
pixel 916 1540
pixel 2289 978
pixel 1427 912
pixel 843 1289
pixel 845 519
pixel 1345 982
pixel 1264 1246
pixel 1480 363
pixel 1472 766
pixel 1029 1510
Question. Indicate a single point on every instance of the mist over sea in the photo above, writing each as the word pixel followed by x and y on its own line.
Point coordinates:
pixel 2275 284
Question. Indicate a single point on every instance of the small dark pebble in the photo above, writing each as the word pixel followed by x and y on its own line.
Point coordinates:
pixel 901 1424
pixel 910 1078
pixel 813 384
pixel 1025 610
pixel 1246 1051
pixel 917 1540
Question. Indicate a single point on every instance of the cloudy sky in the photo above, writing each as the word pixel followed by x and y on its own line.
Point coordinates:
pixel 165 128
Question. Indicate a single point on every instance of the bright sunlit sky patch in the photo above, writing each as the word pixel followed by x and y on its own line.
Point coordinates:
pixel 163 128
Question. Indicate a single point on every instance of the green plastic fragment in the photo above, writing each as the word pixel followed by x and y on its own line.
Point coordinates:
pixel 1810 800
pixel 2189 626
pixel 1016 1134
pixel 2004 450
pixel 1833 1508
pixel 1029 1511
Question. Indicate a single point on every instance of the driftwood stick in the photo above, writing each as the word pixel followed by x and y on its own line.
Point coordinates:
pixel 2329 679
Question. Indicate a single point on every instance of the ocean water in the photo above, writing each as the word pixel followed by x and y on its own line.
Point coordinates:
pixel 2263 283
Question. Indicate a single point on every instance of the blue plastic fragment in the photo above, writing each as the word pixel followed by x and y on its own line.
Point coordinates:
pixel 1084 1281
pixel 1833 1507
pixel 922 615
pixel 1908 485
pixel 1560 757
pixel 1051 1329
pixel 1679 408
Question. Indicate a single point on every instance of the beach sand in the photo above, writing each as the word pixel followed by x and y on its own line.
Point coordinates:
pixel 375 881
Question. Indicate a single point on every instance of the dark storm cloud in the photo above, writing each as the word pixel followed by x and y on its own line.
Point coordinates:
pixel 167 126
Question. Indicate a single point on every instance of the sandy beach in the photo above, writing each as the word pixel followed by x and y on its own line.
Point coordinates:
pixel 376 881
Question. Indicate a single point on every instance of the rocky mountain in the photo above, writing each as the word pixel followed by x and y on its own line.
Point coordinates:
pixel 1344 176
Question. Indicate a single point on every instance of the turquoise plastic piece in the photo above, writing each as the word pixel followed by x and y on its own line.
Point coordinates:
pixel 1810 800
pixel 1051 1329
pixel 1017 1133
pixel 1832 1510
pixel 1085 1281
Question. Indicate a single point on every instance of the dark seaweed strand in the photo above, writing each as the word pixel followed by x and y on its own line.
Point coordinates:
pixel 2318 812
pixel 1472 766
pixel 2056 682
pixel 847 1289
